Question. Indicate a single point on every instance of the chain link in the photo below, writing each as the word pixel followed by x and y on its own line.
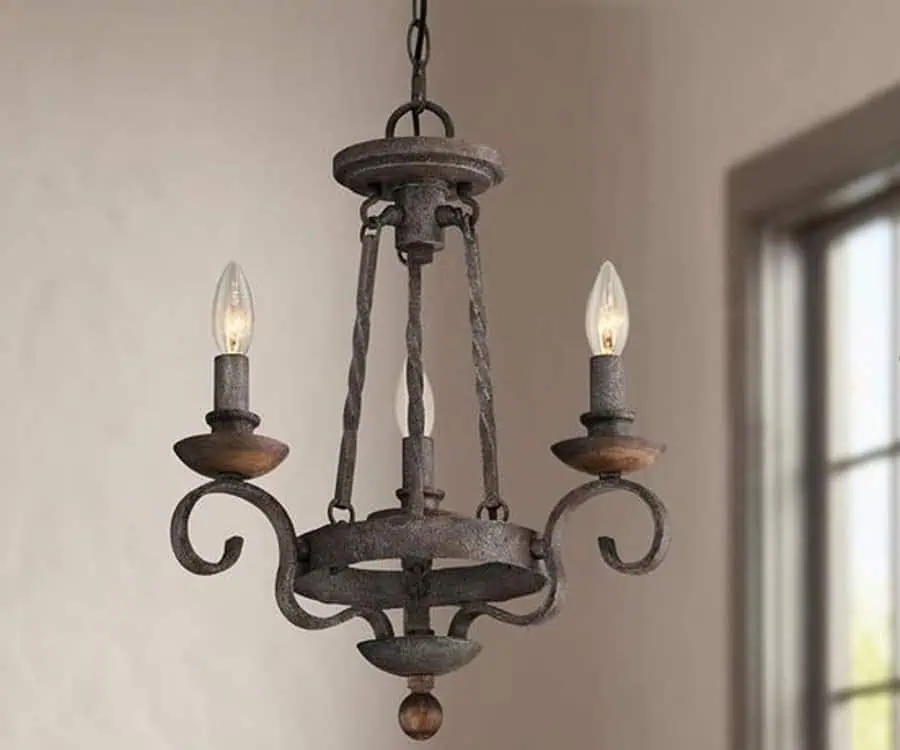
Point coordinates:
pixel 418 47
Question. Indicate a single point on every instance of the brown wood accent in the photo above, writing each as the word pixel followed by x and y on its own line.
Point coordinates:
pixel 231 454
pixel 607 454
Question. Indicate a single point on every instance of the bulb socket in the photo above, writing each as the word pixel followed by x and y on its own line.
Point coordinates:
pixel 433 496
pixel 231 383
pixel 607 380
pixel 609 448
pixel 608 414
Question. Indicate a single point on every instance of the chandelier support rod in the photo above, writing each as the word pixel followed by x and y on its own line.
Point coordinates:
pixel 493 502
pixel 415 385
pixel 416 613
pixel 370 235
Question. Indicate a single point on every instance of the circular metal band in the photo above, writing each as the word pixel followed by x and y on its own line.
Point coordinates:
pixel 387 589
pixel 430 538
pixel 504 568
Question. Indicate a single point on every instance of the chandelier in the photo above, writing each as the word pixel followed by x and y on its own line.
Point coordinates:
pixel 419 186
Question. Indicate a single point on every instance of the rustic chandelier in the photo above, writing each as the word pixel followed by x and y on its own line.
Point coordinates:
pixel 423 185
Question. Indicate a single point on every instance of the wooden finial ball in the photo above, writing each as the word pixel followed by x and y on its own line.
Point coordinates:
pixel 420 716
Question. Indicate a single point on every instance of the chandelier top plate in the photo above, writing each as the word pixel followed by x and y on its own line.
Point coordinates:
pixel 387 163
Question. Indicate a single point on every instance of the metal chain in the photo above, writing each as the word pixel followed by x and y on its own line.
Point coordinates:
pixel 415 386
pixel 418 47
pixel 370 234
pixel 493 503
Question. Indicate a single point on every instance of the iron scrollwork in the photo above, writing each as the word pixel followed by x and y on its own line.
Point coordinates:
pixel 549 546
pixel 288 558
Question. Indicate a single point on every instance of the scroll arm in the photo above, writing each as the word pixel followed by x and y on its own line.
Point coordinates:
pixel 287 555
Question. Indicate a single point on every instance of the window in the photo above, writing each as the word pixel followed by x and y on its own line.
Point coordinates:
pixel 854 306
pixel 829 524
pixel 815 343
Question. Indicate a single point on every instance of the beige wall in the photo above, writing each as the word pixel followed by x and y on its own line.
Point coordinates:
pixel 145 144
pixel 619 125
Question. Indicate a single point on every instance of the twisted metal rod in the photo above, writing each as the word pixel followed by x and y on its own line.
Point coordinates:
pixel 415 386
pixel 370 235
pixel 493 503
pixel 550 546
pixel 288 557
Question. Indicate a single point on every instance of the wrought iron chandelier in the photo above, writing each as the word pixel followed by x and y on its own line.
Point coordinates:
pixel 423 185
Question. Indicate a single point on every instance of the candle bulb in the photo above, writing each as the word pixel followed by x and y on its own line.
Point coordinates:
pixel 606 317
pixel 401 403
pixel 232 321
pixel 606 325
pixel 233 312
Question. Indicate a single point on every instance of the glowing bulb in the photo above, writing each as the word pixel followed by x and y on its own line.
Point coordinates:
pixel 606 317
pixel 401 403
pixel 233 311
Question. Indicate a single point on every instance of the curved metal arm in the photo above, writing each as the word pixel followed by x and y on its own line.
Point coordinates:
pixel 551 546
pixel 287 555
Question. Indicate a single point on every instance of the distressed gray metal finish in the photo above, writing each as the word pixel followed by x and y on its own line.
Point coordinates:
pixel 231 378
pixel 388 163
pixel 433 496
pixel 550 547
pixel 417 109
pixel 607 384
pixel 493 503
pixel 420 232
pixel 415 387
pixel 231 395
pixel 428 184
pixel 446 587
pixel 434 537
pixel 506 561
pixel 285 535
pixel 356 378
pixel 608 414
pixel 410 656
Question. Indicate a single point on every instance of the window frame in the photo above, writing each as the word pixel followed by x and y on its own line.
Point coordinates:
pixel 829 176
pixel 813 241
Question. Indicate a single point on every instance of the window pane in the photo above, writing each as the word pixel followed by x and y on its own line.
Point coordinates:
pixel 860 575
pixel 862 724
pixel 861 364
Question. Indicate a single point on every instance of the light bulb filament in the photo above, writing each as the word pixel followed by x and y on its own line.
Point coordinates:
pixel 610 323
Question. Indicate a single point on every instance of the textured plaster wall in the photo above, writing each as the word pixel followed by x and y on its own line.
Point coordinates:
pixel 142 146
